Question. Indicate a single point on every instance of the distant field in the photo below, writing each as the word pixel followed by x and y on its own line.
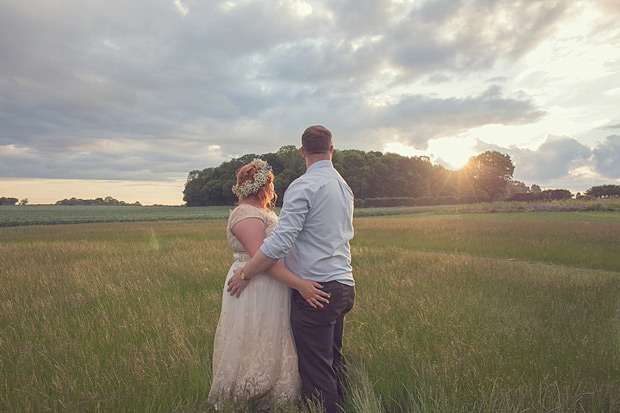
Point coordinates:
pixel 477 312
pixel 62 214
pixel 53 214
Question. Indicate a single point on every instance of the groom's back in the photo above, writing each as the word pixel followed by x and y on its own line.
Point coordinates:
pixel 321 251
pixel 331 209
pixel 316 220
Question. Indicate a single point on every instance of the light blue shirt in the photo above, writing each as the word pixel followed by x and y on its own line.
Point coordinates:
pixel 315 226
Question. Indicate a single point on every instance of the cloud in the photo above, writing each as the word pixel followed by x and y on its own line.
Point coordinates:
pixel 606 24
pixel 607 157
pixel 612 126
pixel 466 36
pixel 146 90
pixel 552 160
pixel 109 160
pixel 609 6
pixel 418 119
pixel 358 40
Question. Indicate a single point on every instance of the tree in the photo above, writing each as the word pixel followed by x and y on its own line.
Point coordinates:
pixel 288 164
pixel 490 172
pixel 23 201
pixel 604 191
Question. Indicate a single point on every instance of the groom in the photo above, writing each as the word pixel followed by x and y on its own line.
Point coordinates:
pixel 313 233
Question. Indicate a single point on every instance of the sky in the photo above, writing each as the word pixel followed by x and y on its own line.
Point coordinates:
pixel 124 98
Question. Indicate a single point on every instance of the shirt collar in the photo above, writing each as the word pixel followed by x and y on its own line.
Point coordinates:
pixel 320 164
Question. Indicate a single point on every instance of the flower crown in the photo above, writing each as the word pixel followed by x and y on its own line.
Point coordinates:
pixel 259 179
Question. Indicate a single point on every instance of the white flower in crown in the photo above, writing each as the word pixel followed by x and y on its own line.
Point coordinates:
pixel 259 179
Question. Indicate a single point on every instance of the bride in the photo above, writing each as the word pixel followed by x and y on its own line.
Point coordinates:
pixel 254 352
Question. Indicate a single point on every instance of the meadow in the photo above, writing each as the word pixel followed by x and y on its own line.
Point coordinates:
pixel 454 312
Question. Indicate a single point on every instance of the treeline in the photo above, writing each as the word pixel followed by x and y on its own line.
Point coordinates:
pixel 5 200
pixel 601 191
pixel 515 191
pixel 8 201
pixel 379 179
pixel 370 175
pixel 107 201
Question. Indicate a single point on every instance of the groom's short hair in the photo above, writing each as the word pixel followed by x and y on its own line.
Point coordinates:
pixel 316 139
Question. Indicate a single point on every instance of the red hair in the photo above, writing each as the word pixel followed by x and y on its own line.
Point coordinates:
pixel 266 194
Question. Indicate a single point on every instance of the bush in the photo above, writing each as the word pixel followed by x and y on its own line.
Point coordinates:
pixel 391 202
pixel 407 201
pixel 555 194
pixel 546 195
pixel 525 197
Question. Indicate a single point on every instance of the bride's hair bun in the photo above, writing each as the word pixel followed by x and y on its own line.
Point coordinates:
pixel 246 172
pixel 265 193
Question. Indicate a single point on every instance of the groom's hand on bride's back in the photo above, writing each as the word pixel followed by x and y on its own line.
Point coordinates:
pixel 236 284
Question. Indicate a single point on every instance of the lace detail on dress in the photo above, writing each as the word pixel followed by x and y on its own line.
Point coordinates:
pixel 245 211
pixel 253 351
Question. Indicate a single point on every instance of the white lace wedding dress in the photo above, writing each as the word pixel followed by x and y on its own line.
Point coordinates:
pixel 254 352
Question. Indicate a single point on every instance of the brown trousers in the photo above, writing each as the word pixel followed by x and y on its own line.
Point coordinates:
pixel 318 338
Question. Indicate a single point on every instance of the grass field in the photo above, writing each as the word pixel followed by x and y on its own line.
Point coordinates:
pixel 62 214
pixel 454 312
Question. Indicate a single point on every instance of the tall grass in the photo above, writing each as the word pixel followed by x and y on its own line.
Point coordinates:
pixel 580 239
pixel 451 332
pixel 110 324
pixel 121 316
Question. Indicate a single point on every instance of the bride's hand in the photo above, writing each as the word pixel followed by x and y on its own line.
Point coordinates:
pixel 311 292
pixel 236 284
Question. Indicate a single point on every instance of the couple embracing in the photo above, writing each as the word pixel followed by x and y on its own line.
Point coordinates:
pixel 272 340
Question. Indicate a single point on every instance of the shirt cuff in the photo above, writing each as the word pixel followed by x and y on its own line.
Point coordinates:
pixel 269 251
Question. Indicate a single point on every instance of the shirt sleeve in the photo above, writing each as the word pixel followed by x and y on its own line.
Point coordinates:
pixel 295 207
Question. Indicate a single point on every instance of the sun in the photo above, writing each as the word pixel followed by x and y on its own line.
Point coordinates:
pixel 455 151
pixel 453 160
pixel 452 153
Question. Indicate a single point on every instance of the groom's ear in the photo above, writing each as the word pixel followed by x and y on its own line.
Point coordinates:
pixel 303 153
pixel 331 149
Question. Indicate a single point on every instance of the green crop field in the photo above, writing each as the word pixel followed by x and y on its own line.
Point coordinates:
pixel 467 312
pixel 64 214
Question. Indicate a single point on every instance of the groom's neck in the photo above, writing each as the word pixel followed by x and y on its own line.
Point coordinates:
pixel 310 159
